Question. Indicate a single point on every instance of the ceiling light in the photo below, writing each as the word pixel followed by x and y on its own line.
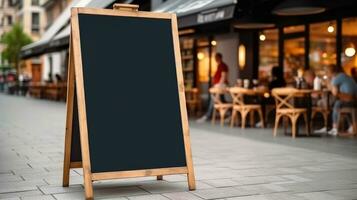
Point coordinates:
pixel 213 42
pixel 262 37
pixel 298 7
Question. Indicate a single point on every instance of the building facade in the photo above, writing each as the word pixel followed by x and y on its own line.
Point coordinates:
pixel 30 15
pixel 7 18
pixel 54 63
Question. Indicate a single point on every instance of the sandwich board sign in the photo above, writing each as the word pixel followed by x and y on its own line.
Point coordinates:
pixel 126 110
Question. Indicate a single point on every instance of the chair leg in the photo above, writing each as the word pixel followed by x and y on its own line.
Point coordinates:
pixel 277 118
pixel 234 114
pixel 313 113
pixel 261 117
pixel 251 118
pixel 325 116
pixel 306 124
pixel 222 113
pixel 214 116
pixel 285 123
pixel 338 121
pixel 293 125
pixel 354 121
pixel 244 117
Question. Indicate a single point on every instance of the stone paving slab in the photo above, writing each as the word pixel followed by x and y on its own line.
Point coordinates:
pixel 230 163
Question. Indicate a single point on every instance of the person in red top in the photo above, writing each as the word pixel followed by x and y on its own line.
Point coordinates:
pixel 219 80
pixel 220 77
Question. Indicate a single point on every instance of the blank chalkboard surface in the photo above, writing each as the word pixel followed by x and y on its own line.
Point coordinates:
pixel 126 110
pixel 131 92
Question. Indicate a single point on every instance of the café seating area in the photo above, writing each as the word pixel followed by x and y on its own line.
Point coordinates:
pixel 289 106
pixel 51 91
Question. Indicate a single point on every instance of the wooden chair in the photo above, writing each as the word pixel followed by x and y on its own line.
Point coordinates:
pixel 36 89
pixel 239 106
pixel 324 111
pixel 283 97
pixel 345 111
pixel 218 105
pixel 193 101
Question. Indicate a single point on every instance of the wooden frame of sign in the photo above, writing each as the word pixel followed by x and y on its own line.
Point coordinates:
pixel 76 83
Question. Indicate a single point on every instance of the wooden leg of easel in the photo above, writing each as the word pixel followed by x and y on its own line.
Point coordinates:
pixel 67 158
pixel 191 181
pixel 68 134
pixel 159 177
pixel 66 171
pixel 88 186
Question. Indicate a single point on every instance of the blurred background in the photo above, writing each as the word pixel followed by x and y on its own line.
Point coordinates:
pixel 253 37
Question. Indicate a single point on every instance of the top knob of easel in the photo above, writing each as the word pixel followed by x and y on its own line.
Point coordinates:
pixel 126 7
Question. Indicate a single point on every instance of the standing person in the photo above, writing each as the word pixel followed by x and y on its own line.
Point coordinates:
pixel 344 88
pixel 220 79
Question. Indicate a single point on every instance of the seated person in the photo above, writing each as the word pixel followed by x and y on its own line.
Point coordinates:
pixel 277 78
pixel 309 77
pixel 341 86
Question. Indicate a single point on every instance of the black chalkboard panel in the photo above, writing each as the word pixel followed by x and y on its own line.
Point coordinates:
pixel 131 93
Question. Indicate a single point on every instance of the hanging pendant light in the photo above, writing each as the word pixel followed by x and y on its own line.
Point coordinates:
pixel 298 7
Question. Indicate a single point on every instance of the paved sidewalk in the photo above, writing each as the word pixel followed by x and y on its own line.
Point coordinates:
pixel 229 163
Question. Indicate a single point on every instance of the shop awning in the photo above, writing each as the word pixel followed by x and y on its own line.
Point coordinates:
pixel 189 12
pixel 57 35
pixel 196 12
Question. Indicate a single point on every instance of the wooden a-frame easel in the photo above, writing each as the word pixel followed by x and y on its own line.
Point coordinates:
pixel 75 83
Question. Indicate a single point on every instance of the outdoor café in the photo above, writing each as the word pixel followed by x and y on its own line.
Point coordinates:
pixel 298 41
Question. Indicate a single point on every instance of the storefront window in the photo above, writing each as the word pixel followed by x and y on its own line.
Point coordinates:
pixel 203 57
pixel 187 51
pixel 268 53
pixel 322 46
pixel 349 44
pixel 294 58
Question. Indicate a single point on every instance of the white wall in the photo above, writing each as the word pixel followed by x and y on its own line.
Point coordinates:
pixel 227 45
pixel 56 65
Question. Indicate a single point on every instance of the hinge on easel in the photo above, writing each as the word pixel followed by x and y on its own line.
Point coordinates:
pixel 126 7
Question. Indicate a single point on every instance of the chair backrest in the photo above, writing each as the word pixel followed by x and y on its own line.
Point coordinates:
pixel 238 93
pixel 192 94
pixel 216 92
pixel 283 96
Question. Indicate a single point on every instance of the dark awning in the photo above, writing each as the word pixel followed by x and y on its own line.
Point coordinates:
pixel 189 12
pixel 197 12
